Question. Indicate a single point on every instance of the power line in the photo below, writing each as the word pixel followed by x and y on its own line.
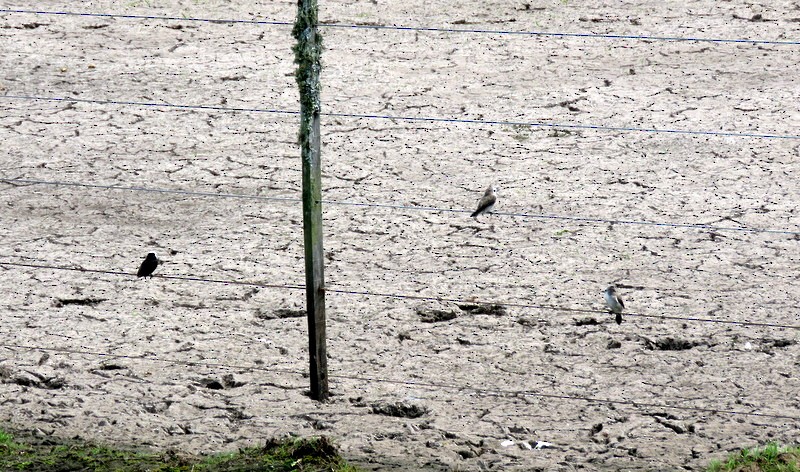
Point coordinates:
pixel 433 385
pixel 402 296
pixel 580 219
pixel 533 124
pixel 416 28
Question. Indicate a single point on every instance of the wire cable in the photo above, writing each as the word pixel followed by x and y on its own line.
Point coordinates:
pixel 574 218
pixel 416 28
pixel 343 291
pixel 562 35
pixel 530 393
pixel 549 307
pixel 580 219
pixel 149 17
pixel 152 359
pixel 433 385
pixel 149 104
pixel 190 193
pixel 533 124
pixel 160 276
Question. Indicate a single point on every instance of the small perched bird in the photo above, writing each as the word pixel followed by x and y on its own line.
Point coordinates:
pixel 487 202
pixel 148 265
pixel 614 302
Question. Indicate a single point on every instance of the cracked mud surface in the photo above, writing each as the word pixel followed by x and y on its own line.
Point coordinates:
pixel 242 348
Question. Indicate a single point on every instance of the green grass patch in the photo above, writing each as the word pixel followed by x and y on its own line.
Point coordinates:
pixel 26 453
pixel 771 458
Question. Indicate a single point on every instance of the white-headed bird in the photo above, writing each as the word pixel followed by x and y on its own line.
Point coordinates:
pixel 614 302
pixel 487 202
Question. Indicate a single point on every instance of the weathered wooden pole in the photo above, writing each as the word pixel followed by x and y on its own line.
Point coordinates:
pixel 307 56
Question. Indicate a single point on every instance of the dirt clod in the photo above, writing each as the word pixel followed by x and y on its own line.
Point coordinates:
pixel 435 316
pixel 400 409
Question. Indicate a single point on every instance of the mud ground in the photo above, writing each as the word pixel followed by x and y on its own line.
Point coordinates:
pixel 205 366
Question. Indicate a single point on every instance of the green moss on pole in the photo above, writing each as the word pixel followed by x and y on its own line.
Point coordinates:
pixel 307 56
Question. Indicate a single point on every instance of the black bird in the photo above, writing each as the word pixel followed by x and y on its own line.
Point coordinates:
pixel 148 266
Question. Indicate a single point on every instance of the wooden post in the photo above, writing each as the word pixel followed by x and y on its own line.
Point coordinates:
pixel 307 56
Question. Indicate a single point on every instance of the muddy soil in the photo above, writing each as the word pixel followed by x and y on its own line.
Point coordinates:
pixel 417 384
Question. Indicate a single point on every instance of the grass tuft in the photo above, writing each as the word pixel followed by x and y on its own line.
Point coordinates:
pixel 295 454
pixel 771 458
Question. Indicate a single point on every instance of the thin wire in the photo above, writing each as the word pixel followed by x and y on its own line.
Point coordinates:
pixel 149 17
pixel 532 124
pixel 550 307
pixel 560 35
pixel 404 207
pixel 402 296
pixel 149 104
pixel 153 359
pixel 190 193
pixel 167 277
pixel 573 218
pixel 528 393
pixel 434 385
pixel 415 28
pixel 561 125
